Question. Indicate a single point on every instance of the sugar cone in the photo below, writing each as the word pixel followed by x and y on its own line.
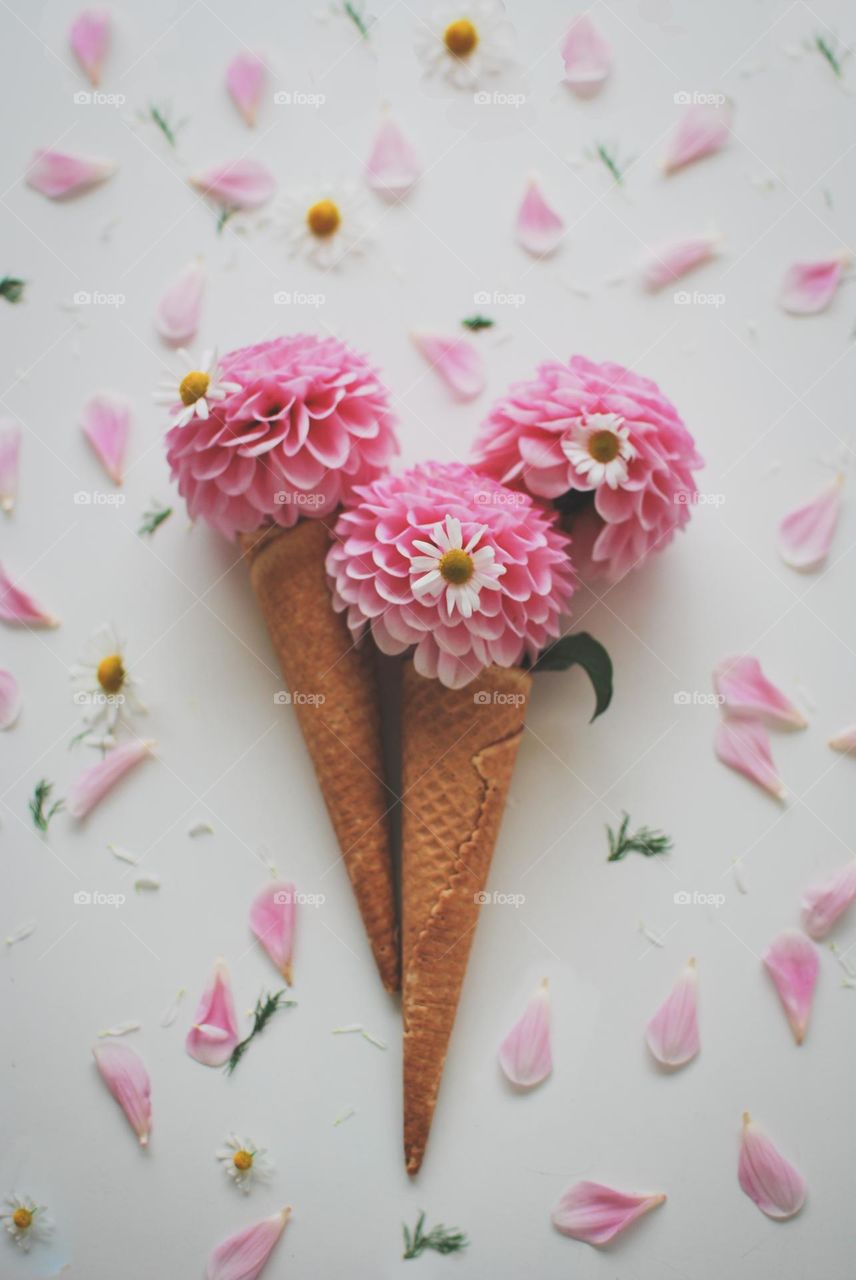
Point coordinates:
pixel 318 656
pixel 458 751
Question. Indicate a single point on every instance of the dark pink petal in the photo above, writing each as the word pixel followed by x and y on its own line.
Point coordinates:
pixel 768 1179
pixel 245 79
pixel 90 787
pixel 272 921
pixel 823 904
pixel 596 1214
pixel 455 361
pixel 587 56
pixel 393 166
pixel 244 184
pixel 809 287
pixel 125 1075
pixel 19 608
pixel 703 129
pixel 672 1033
pixel 214 1033
pixel 805 534
pixel 791 961
pixel 106 422
pixel 744 745
pixel 525 1054
pixel 89 37
pixel 539 228
pixel 179 310
pixel 746 692
pixel 243 1256
pixel 57 174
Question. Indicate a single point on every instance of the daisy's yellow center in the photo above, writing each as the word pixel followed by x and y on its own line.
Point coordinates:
pixel 604 446
pixel 460 38
pixel 456 566
pixel 243 1160
pixel 193 386
pixel 323 218
pixel 111 673
pixel 23 1219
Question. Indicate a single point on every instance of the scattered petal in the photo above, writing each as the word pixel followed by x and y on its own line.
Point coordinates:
pixel 809 287
pixel 180 308
pixel 747 693
pixel 245 184
pixel 703 129
pixel 805 534
pixel 214 1033
pixel 456 361
pixel 596 1214
pixel 744 745
pixel 125 1075
pixel 679 257
pixel 10 699
pixel 526 1054
pixel 272 921
pixel 245 79
pixel 767 1178
pixel 393 167
pixel 823 904
pixel 243 1256
pixel 539 228
pixel 124 855
pixel 147 882
pixel 90 787
pixel 121 1029
pixel 170 1014
pixel 791 961
pixel 672 1033
pixel 106 424
pixel 200 829
pixel 845 740
pixel 19 608
pixel 89 37
pixel 587 57
pixel 10 448
pixel 57 174
pixel 19 934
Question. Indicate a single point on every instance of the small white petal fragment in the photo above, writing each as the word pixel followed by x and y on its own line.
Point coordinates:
pixel 805 534
pixel 10 700
pixel 147 882
pixel 170 1014
pixel 539 228
pixel 200 829
pixel 672 1033
pixel 393 167
pixel 526 1054
pixel 845 740
pixel 244 1256
pixel 596 1214
pixel 823 904
pixel 768 1179
pixel 124 855
pixel 121 1029
pixel 747 693
pixel 792 962
pixel 744 745
pixel 179 310
pixel 21 933
pixel 587 57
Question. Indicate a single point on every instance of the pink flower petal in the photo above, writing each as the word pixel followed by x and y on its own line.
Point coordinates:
pixel 90 787
pixel 672 1033
pixel 596 1214
pixel 179 310
pixel 272 921
pixel 214 1033
pixel 10 448
pixel 703 129
pixel 10 699
pixel 456 361
pixel 744 745
pixel 823 904
pixel 766 1176
pixel 57 174
pixel 805 534
pixel 845 740
pixel 89 37
pixel 245 184
pixel 587 57
pixel 791 961
pixel 393 166
pixel 245 79
pixel 539 228
pixel 748 694
pixel 106 425
pixel 525 1054
pixel 675 260
pixel 809 287
pixel 19 608
pixel 125 1075
pixel 243 1256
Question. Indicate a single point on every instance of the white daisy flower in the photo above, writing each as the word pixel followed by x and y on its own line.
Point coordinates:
pixel 464 42
pixel 461 571
pixel 104 687
pixel 196 386
pixel 244 1162
pixel 325 223
pixel 26 1221
pixel 598 448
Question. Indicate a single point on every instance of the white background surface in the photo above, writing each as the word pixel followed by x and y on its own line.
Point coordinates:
pixel 783 394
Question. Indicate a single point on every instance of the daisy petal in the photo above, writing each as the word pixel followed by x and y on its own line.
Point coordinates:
pixel 89 37
pixel 125 1075
pixel 525 1054
pixel 245 78
pixel 272 921
pixel 823 904
pixel 676 259
pixel 10 699
pixel 744 745
pixel 455 361
pixel 393 167
pixel 10 448
pixel 539 228
pixel 245 184
pixel 90 787
pixel 767 1178
pixel 791 961
pixel 805 534
pixel 19 608
pixel 809 287
pixel 672 1033
pixel 57 174
pixel 587 57
pixel 596 1214
pixel 243 1256
pixel 747 693
pixel 214 1033
pixel 177 316
pixel 702 130
pixel 106 422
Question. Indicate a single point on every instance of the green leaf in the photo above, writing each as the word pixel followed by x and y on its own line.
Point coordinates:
pixel 581 650
pixel 12 289
pixel 645 841
pixel 441 1239
pixel 474 323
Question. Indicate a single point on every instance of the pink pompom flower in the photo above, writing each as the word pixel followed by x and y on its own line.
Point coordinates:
pixel 606 447
pixel 453 565
pixel 303 422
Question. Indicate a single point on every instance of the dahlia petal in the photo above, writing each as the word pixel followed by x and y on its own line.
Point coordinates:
pixel 596 1214
pixel 805 534
pixel 179 310
pixel 767 1178
pixel 10 448
pixel 539 228
pixel 672 1033
pixel 809 287
pixel 214 1033
pixel 676 259
pixel 745 746
pixel 19 608
pixel 525 1054
pixel 702 130
pixel 10 699
pixel 272 922
pixel 587 56
pixel 57 174
pixel 393 167
pixel 245 78
pixel 244 184
pixel 845 740
pixel 89 37
pixel 243 1256
pixel 106 422
pixel 92 785
pixel 456 361
pixel 747 693
pixel 823 904
pixel 125 1075
pixel 791 961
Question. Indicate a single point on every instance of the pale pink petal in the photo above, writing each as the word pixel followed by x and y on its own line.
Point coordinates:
pixel 672 1033
pixel 245 184
pixel 245 79
pixel 809 287
pixel 791 961
pixel 106 424
pixel 587 56
pixel 526 1055
pixel 125 1075
pixel 214 1033
pixel 539 228
pixel 10 699
pixel 243 1256
pixel 10 448
pixel 90 787
pixel 56 173
pixel 805 534
pixel 676 259
pixel 747 693
pixel 455 361
pixel 179 310
pixel 596 1214
pixel 19 608
pixel 845 740
pixel 822 904
pixel 89 37
pixel 702 129
pixel 745 746
pixel 272 921
pixel 393 166
pixel 766 1176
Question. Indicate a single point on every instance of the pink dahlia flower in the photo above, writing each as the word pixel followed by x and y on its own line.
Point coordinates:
pixel 607 447
pixel 463 570
pixel 288 429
